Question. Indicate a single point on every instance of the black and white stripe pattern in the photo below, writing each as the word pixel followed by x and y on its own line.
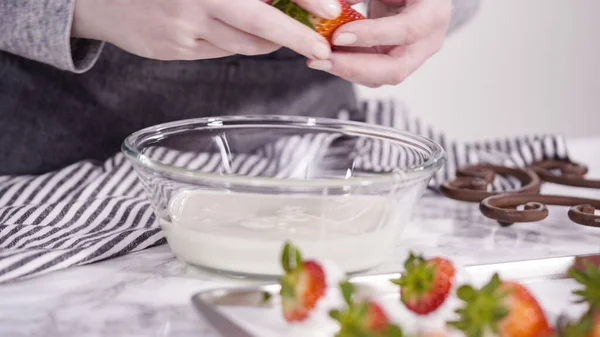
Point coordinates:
pixel 89 212
pixel 514 152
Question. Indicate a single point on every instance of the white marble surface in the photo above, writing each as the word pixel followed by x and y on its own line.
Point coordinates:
pixel 148 293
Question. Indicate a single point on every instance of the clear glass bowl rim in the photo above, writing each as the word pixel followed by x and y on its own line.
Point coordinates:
pixel 130 147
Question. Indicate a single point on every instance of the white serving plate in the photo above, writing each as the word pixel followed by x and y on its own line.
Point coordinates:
pixel 242 311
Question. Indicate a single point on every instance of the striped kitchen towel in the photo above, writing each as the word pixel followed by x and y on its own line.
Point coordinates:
pixel 89 211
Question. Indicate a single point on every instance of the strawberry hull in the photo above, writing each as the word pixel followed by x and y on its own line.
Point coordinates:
pixel 426 284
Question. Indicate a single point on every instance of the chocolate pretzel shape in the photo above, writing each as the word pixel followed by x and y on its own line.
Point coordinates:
pixel 570 174
pixel 472 184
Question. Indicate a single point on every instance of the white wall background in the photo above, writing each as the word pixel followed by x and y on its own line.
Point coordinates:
pixel 519 67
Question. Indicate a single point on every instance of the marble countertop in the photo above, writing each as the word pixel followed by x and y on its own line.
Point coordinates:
pixel 148 293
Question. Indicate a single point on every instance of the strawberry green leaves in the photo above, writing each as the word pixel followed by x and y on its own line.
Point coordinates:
pixel 483 309
pixel 302 285
pixel 580 328
pixel 589 277
pixel 294 11
pixel 417 277
pixel 363 318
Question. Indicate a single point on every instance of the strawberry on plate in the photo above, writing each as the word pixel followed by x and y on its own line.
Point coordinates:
pixel 425 283
pixel 587 325
pixel 364 318
pixel 325 27
pixel 500 308
pixel 302 285
pixel 588 275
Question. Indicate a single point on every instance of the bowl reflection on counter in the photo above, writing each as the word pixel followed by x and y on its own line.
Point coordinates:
pixel 229 191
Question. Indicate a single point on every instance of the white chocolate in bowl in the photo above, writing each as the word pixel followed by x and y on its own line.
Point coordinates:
pixel 244 233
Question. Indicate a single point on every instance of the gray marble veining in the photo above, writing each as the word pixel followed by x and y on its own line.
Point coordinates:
pixel 148 293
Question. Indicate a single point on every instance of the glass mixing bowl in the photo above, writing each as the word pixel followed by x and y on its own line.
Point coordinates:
pixel 229 191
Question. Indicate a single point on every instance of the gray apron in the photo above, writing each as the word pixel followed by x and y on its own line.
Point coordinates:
pixel 51 118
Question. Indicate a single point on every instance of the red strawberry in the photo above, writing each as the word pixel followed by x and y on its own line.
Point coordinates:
pixel 376 319
pixel 582 262
pixel 302 285
pixel 525 315
pixel 596 329
pixel 325 27
pixel 506 309
pixel 363 318
pixel 425 284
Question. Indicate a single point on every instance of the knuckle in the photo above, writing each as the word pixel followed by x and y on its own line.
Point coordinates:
pixel 182 30
pixel 184 43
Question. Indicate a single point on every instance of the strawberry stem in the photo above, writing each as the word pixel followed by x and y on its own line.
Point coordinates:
pixel 293 10
pixel 291 259
pixel 347 291
pixel 417 278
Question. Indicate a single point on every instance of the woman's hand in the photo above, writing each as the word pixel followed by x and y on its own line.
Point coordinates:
pixel 200 29
pixel 398 37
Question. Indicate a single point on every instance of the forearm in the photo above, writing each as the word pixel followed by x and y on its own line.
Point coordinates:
pixel 41 30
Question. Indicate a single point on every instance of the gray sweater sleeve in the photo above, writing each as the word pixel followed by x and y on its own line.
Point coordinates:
pixel 462 11
pixel 41 30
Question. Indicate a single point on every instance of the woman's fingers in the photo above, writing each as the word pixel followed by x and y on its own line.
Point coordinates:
pixel 265 21
pixel 414 23
pixel 236 41
pixel 382 69
pixel 328 9
pixel 377 69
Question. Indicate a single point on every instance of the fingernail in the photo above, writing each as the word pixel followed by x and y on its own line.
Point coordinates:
pixel 344 39
pixel 332 9
pixel 320 65
pixel 322 50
